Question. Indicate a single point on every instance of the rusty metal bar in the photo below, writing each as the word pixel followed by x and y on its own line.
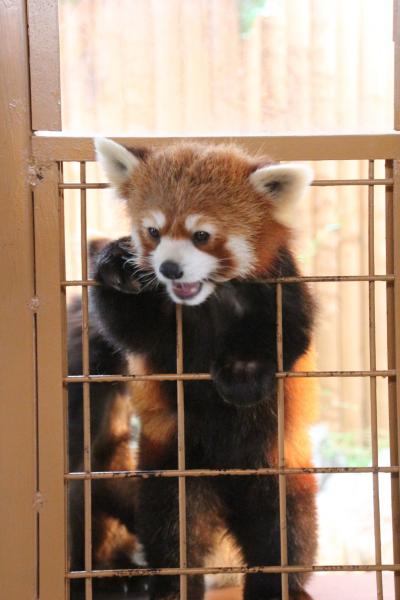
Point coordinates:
pixel 281 443
pixel 315 183
pixel 306 279
pixel 215 570
pixel 181 453
pixel 373 394
pixel 86 390
pixel 206 376
pixel 226 472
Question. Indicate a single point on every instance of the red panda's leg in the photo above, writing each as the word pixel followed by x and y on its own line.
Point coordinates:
pixel 158 526
pixel 253 510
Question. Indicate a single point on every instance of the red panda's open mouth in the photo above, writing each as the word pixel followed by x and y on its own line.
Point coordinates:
pixel 185 291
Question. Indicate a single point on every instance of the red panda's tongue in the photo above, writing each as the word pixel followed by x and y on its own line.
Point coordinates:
pixel 186 290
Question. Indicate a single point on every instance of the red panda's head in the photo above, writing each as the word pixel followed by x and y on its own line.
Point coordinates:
pixel 203 214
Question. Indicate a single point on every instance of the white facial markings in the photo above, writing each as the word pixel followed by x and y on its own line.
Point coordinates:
pixel 136 242
pixel 155 218
pixel 242 253
pixel 198 223
pixel 191 222
pixel 195 264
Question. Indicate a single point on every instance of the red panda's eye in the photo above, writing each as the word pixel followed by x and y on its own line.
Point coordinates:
pixel 200 237
pixel 154 233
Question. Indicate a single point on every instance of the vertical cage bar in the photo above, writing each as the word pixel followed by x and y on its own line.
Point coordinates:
pixel 181 453
pixel 281 443
pixel 392 387
pixel 86 388
pixel 372 380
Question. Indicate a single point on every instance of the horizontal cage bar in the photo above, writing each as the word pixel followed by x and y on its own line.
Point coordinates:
pixel 306 279
pixel 217 570
pixel 226 472
pixel 315 183
pixel 206 376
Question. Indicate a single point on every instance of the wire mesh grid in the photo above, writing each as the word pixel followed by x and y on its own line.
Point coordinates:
pixel 86 379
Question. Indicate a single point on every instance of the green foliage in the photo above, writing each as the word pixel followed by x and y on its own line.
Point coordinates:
pixel 248 12
pixel 343 449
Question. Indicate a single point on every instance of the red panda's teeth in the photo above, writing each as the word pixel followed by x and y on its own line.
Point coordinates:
pixel 186 290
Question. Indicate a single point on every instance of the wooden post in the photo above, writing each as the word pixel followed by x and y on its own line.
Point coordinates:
pixel 19 502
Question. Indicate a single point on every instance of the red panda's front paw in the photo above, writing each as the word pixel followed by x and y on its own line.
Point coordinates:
pixel 115 267
pixel 244 382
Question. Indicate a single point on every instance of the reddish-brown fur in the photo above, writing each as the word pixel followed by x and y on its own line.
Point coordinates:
pixel 212 181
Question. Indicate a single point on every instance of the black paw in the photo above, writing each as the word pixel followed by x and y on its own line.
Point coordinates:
pixel 244 382
pixel 115 267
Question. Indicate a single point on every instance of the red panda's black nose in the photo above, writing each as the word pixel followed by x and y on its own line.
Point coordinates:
pixel 171 270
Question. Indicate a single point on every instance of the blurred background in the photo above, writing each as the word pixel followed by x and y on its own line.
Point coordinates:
pixel 187 67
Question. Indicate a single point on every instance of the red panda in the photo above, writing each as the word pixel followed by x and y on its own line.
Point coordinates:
pixel 207 222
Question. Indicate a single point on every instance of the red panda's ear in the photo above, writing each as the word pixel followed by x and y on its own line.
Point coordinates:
pixel 284 185
pixel 117 161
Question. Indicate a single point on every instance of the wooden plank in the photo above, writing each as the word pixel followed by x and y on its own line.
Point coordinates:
pixel 353 400
pixel 281 147
pixel 167 65
pixel 17 376
pixel 196 68
pixel 51 367
pixel 44 59
pixel 275 80
pixel 224 56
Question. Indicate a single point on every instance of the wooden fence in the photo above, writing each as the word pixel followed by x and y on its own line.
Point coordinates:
pixel 154 67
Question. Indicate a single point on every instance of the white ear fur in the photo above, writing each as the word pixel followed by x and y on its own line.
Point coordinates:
pixel 284 184
pixel 117 162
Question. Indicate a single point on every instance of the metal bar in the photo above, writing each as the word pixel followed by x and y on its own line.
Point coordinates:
pixel 226 472
pixel 315 183
pixel 181 453
pixel 373 395
pixel 44 62
pixel 86 390
pixel 391 348
pixel 215 570
pixel 281 443
pixel 307 279
pixel 206 376
pixel 281 147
